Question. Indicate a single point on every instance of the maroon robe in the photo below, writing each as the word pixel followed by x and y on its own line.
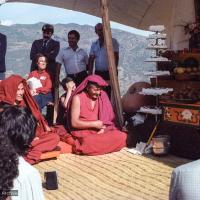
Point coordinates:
pixel 88 141
pixel 45 141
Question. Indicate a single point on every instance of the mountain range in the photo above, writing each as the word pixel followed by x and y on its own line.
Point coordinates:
pixel 132 49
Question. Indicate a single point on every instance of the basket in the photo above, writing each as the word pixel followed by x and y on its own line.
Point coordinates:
pixel 161 144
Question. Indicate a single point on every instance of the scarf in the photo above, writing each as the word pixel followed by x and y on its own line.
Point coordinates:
pixel 106 113
pixel 8 91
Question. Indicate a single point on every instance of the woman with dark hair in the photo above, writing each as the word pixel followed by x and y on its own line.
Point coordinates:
pixel 14 91
pixel 69 86
pixel 19 126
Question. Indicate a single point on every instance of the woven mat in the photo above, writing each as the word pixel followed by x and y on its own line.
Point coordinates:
pixel 117 176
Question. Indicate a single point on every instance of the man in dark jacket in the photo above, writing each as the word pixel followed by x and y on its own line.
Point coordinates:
pixel 3 47
pixel 46 46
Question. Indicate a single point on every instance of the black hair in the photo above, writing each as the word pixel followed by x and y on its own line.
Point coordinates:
pixel 64 81
pixel 8 165
pixel 99 24
pixel 3 106
pixel 19 125
pixel 48 28
pixel 8 162
pixel 76 33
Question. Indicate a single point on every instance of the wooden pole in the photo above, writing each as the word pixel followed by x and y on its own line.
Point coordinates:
pixel 197 10
pixel 56 102
pixel 111 61
pixel 56 95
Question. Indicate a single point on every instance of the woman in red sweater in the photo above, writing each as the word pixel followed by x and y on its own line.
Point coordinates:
pixel 43 94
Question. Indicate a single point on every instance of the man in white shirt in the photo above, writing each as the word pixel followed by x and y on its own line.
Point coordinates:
pixel 73 58
pixel 98 55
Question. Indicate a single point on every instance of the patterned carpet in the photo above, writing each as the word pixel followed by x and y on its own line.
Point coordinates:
pixel 117 176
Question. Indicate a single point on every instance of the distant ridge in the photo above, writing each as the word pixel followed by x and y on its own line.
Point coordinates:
pixel 132 48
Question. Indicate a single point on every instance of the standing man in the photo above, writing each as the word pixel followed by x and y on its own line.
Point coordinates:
pixel 46 46
pixel 3 47
pixel 73 58
pixel 98 55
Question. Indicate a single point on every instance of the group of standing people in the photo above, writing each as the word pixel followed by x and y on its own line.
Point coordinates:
pixel 47 59
pixel 76 61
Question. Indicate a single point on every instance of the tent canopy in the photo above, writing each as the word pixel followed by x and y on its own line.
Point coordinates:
pixel 134 13
pixel 137 13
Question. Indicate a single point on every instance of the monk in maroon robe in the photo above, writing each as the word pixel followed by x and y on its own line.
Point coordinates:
pixel 14 91
pixel 93 121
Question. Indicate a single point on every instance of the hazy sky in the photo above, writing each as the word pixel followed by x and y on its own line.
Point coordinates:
pixel 25 13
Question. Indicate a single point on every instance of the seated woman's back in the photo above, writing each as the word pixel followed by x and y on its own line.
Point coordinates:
pixel 18 127
pixel 28 183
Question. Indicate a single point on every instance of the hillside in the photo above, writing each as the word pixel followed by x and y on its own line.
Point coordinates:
pixel 132 48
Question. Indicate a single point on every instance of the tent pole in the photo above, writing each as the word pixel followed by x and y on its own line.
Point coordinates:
pixel 197 10
pixel 111 60
pixel 56 98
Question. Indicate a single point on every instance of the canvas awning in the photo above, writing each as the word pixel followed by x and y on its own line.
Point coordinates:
pixel 139 14
pixel 133 13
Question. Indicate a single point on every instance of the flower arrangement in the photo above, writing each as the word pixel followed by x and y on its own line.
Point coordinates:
pixel 192 28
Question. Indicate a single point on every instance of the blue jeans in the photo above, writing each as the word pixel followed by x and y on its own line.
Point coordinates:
pixel 2 75
pixel 43 99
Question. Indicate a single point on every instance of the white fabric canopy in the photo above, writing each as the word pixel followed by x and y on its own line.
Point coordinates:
pixel 137 13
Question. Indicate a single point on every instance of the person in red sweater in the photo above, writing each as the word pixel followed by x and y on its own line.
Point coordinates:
pixel 43 94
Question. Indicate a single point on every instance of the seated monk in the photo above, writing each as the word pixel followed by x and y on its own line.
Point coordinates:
pixel 14 91
pixel 92 120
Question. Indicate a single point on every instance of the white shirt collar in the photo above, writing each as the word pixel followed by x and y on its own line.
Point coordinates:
pixel 78 49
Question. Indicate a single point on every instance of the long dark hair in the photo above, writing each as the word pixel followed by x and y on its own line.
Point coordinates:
pixel 8 163
pixel 19 125
pixel 8 166
pixel 17 130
